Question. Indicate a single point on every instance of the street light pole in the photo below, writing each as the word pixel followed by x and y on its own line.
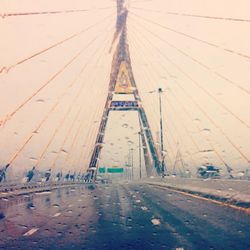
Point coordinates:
pixel 132 162
pixel 161 133
pixel 139 133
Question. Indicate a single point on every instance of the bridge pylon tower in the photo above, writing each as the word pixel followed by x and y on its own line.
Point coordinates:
pixel 122 82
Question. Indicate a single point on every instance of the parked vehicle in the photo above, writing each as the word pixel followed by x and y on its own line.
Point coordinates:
pixel 208 171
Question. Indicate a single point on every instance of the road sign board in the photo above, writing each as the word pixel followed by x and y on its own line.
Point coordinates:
pixel 102 170
pixel 115 170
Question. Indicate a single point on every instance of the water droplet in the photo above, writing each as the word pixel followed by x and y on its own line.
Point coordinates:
pixel 30 206
pixel 156 222
pixel 2 216
pixel 40 100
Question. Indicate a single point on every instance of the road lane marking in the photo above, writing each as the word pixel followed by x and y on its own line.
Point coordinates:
pixel 56 215
pixel 246 210
pixel 31 231
pixel 43 193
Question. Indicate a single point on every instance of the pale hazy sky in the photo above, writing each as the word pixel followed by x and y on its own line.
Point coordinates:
pixel 205 107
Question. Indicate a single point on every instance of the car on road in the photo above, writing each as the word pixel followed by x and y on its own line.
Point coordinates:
pixel 208 171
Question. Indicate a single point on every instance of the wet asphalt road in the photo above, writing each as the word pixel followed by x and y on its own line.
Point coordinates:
pixel 127 216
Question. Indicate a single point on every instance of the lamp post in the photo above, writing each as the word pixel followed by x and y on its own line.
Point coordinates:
pixel 132 162
pixel 161 134
pixel 139 133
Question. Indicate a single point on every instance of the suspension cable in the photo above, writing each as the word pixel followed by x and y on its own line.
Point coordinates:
pixel 8 68
pixel 9 116
pixel 154 112
pixel 14 14
pixel 231 19
pixel 199 86
pixel 196 60
pixel 208 117
pixel 46 117
pixel 76 117
pixel 192 37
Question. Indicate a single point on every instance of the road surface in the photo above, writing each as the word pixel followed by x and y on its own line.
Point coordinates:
pixel 124 216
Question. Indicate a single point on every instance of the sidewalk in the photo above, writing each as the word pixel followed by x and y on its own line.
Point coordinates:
pixel 234 192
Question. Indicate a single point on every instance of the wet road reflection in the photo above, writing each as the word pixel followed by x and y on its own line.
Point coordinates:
pixel 124 216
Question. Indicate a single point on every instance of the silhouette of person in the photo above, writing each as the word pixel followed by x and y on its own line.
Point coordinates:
pixel 47 174
pixel 67 176
pixel 59 176
pixel 3 173
pixel 72 176
pixel 30 174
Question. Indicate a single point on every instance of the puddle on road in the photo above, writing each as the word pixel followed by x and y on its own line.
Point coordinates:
pixel 56 215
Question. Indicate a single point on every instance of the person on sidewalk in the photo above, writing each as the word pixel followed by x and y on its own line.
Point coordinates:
pixel 30 174
pixel 67 176
pixel 3 173
pixel 59 176
pixel 47 175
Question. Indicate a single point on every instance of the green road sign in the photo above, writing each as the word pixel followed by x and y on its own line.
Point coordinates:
pixel 115 170
pixel 102 170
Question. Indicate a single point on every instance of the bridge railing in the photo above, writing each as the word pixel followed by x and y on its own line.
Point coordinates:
pixel 11 187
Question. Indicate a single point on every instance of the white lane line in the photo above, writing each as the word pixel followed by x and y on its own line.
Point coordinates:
pixel 31 231
pixel 56 215
pixel 156 222
pixel 43 193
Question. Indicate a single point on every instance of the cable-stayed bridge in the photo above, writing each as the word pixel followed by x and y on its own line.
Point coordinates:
pixel 124 119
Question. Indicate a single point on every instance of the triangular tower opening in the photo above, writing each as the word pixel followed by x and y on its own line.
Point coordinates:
pixel 123 83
